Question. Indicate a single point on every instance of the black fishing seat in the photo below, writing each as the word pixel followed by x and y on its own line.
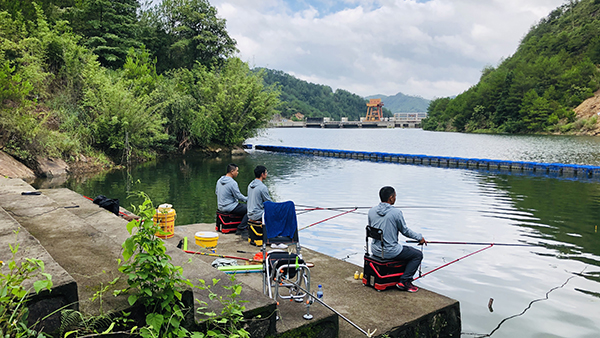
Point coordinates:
pixel 284 269
pixel 380 272
pixel 227 222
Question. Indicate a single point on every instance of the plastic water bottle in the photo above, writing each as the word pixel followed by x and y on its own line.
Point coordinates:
pixel 320 292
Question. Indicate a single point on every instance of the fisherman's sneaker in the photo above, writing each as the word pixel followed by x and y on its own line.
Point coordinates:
pixel 407 286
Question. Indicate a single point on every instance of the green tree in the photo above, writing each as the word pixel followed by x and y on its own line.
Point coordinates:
pixel 535 111
pixel 224 106
pixel 120 122
pixel 190 32
pixel 109 28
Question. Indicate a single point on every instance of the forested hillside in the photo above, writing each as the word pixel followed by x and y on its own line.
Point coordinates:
pixel 313 100
pixel 110 79
pixel 554 69
pixel 401 103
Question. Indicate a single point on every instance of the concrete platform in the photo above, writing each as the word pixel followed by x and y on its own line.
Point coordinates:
pixel 393 312
pixel 85 241
pixel 64 290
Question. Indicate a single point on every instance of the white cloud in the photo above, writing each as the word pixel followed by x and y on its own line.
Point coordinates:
pixel 429 48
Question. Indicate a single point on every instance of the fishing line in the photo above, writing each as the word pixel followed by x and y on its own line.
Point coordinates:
pixel 348 256
pixel 454 261
pixel 473 243
pixel 368 334
pixel 326 219
pixel 546 297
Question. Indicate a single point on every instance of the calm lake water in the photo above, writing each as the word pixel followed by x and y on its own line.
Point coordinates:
pixel 558 217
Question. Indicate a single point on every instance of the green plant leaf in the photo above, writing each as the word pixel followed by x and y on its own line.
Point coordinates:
pixel 69 333
pixel 155 320
pixel 112 325
pixel 40 284
pixel 132 299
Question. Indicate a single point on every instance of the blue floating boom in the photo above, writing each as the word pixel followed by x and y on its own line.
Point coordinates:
pixel 553 169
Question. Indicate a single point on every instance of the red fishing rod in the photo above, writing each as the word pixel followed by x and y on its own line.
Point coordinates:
pixel 338 215
pixel 454 261
pixel 472 243
pixel 217 255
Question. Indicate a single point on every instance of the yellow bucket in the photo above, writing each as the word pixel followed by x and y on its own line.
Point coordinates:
pixel 207 239
pixel 165 218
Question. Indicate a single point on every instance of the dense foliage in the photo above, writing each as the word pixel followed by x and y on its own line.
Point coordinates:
pixel 313 100
pixel 401 103
pixel 554 69
pixel 100 77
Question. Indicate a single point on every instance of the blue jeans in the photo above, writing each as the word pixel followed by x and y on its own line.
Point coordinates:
pixel 413 257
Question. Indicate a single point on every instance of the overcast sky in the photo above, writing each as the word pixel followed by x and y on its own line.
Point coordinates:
pixel 430 48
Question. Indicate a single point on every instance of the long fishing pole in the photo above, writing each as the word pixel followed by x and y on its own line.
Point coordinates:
pixel 454 261
pixel 311 208
pixel 472 243
pixel 368 334
pixel 326 219
pixel 217 255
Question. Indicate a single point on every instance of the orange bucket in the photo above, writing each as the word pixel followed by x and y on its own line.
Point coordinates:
pixel 165 219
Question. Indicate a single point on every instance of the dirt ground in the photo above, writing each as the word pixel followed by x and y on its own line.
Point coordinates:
pixel 588 109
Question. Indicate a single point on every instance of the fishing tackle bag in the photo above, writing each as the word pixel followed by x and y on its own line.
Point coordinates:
pixel 255 232
pixel 227 223
pixel 382 274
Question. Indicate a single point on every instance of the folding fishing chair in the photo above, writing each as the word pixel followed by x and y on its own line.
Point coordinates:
pixel 283 269
pixel 379 272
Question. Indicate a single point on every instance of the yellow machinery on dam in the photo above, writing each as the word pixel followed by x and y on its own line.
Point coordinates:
pixel 374 110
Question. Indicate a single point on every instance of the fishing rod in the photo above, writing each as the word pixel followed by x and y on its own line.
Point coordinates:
pixel 326 219
pixel 454 261
pixel 368 334
pixel 472 243
pixel 217 255
pixel 312 208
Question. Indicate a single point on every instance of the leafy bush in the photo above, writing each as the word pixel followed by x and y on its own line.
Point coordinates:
pixel 13 295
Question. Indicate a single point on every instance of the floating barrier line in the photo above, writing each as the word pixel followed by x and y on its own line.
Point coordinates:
pixel 569 170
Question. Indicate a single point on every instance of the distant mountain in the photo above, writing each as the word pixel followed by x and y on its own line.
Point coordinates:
pixel 315 100
pixel 401 103
pixel 554 69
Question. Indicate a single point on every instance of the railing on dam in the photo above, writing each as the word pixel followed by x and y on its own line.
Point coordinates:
pixel 555 169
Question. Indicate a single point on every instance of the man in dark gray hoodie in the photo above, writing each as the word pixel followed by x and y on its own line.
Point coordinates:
pixel 229 198
pixel 257 194
pixel 384 216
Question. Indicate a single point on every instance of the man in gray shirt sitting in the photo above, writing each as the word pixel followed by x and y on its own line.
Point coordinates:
pixel 257 194
pixel 229 198
pixel 389 219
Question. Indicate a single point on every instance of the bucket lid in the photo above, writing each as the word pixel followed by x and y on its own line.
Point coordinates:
pixel 165 206
pixel 206 234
